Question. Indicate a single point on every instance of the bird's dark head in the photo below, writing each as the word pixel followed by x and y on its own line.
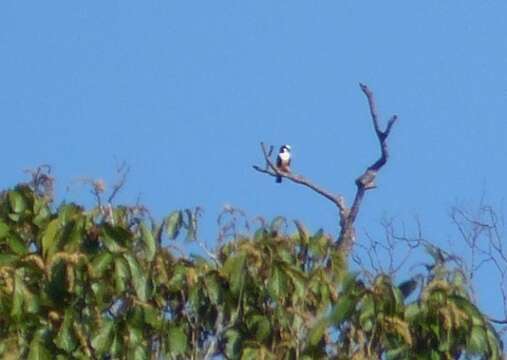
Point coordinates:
pixel 285 148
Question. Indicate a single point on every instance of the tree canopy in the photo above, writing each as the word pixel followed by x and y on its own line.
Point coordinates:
pixel 107 283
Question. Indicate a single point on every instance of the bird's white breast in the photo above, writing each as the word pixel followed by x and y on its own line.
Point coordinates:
pixel 284 156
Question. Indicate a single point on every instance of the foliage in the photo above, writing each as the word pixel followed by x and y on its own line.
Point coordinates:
pixel 99 284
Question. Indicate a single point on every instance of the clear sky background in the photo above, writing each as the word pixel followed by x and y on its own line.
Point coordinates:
pixel 184 91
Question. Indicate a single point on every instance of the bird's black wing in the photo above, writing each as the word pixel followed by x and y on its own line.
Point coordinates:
pixel 278 161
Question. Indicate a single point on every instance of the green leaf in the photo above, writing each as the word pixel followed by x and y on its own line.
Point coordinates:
pixel 68 212
pixel 298 281
pixel 115 238
pixel 38 351
pixel 173 224
pixel 477 341
pixel 23 300
pixel 135 336
pixel 307 357
pixel 472 311
pixel 140 352
pixel 214 289
pixel 277 283
pixel 65 339
pixel 260 325
pixel 41 212
pixel 234 269
pixel 398 298
pixel 101 263
pixel 284 255
pixel 317 332
pixel 367 311
pixel 398 353
pixel 196 298
pixel 150 245
pixel 32 302
pixel 17 202
pixel 233 344
pixel 495 343
pixel 116 348
pixel 121 273
pixel 7 259
pixel 412 311
pixel 459 280
pixel 152 317
pixel 435 355
pixel 15 217
pixel 17 245
pixel 349 282
pixel 178 278
pixel 103 340
pixel 250 354
pixel 318 243
pixel 75 237
pixel 18 296
pixel 343 308
pixel 445 342
pixel 177 340
pixel 4 229
pixel 138 278
pixel 49 239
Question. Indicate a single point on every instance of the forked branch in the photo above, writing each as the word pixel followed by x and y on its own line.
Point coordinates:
pixel 364 182
pixel 367 180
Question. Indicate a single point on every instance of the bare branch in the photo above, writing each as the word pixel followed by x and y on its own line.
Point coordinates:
pixel 122 171
pixel 229 221
pixel 365 182
pixel 41 181
pixel 498 321
pixel 272 170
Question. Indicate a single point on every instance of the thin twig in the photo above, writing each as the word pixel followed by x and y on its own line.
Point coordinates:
pixel 122 170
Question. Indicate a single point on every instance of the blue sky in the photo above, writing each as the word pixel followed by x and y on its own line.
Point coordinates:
pixel 184 92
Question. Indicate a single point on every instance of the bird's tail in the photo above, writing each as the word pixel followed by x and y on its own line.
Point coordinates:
pixel 278 179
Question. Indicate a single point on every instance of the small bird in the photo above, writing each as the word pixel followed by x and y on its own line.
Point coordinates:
pixel 283 161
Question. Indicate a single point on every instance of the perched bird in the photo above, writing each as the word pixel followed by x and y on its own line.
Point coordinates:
pixel 283 161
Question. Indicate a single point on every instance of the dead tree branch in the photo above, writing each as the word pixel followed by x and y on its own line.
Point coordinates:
pixel 41 181
pixel 367 180
pixel 122 171
pixel 483 234
pixel 272 170
pixel 364 182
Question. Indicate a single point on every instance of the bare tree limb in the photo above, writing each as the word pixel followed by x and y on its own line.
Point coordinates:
pixel 272 170
pixel 498 321
pixel 364 182
pixel 367 180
